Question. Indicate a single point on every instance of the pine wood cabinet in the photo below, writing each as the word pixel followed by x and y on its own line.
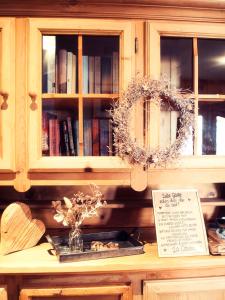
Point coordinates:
pixel 126 46
pixel 7 95
pixel 193 288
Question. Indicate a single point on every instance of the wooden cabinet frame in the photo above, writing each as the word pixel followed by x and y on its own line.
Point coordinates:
pixel 125 30
pixel 7 94
pixel 124 291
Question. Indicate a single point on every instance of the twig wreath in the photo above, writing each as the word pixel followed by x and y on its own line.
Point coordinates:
pixel 160 92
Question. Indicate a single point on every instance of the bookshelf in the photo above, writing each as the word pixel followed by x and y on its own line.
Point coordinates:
pixel 82 67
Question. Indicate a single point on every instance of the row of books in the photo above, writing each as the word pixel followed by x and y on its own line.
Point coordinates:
pixel 58 68
pixel 101 74
pixel 59 135
pixel 98 138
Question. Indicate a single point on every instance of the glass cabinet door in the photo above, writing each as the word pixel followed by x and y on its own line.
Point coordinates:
pixel 76 70
pixel 191 58
pixel 7 95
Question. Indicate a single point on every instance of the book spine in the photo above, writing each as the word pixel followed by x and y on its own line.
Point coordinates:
pixel 106 72
pixel 85 74
pixel 45 134
pixel 115 72
pixel 69 72
pixel 91 78
pixel 52 137
pixel 62 71
pixel 64 138
pixel 74 72
pixel 57 138
pixel 104 137
pixel 95 137
pixel 87 137
pixel 97 74
pixel 70 134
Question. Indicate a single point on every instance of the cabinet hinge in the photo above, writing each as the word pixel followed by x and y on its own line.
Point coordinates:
pixel 136 45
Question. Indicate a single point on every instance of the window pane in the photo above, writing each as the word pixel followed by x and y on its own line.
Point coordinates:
pixel 100 64
pixel 211 53
pixel 59 64
pixel 211 128
pixel 98 129
pixel 60 127
pixel 177 61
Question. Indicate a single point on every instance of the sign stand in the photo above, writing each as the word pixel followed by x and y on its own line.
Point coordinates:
pixel 179 222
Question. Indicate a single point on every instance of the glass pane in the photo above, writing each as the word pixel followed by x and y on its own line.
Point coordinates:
pixel 211 128
pixel 211 55
pixel 169 126
pixel 59 64
pixel 177 61
pixel 98 131
pixel 100 64
pixel 60 127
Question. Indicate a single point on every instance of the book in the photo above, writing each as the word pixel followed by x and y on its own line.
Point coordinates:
pixel 74 74
pixel 104 137
pixel 85 74
pixel 69 73
pixel 106 74
pixel 91 74
pixel 64 138
pixel 53 137
pixel 97 75
pixel 70 136
pixel 75 128
pixel 45 134
pixel 95 137
pixel 48 64
pixel 62 71
pixel 87 137
pixel 115 72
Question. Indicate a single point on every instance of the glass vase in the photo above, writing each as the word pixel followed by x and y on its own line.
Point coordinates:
pixel 75 239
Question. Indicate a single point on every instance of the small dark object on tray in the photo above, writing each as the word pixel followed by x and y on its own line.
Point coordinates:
pixel 109 244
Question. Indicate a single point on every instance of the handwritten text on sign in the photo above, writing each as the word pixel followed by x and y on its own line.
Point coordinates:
pixel 179 222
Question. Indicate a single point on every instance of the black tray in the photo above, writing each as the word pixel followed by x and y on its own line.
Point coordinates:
pixel 127 246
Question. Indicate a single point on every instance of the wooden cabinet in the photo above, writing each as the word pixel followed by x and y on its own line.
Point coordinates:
pixel 7 95
pixel 113 292
pixel 192 289
pixel 62 102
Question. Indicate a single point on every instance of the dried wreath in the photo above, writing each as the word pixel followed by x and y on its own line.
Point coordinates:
pixel 160 92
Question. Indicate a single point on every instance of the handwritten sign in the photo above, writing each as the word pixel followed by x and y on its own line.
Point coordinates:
pixel 180 227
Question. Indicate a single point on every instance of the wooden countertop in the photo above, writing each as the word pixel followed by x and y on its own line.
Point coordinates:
pixel 38 260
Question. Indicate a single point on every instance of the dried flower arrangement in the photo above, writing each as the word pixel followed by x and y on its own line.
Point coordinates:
pixel 79 207
pixel 159 92
pixel 73 212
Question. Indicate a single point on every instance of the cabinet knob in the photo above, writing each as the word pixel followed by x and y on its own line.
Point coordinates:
pixel 33 97
pixel 5 97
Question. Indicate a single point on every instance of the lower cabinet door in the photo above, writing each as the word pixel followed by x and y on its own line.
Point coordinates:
pixel 3 293
pixel 185 289
pixel 109 292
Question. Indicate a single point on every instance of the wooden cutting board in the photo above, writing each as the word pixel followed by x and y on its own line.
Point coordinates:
pixel 18 230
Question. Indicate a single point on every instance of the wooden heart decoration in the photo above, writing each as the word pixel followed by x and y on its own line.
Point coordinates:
pixel 18 230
